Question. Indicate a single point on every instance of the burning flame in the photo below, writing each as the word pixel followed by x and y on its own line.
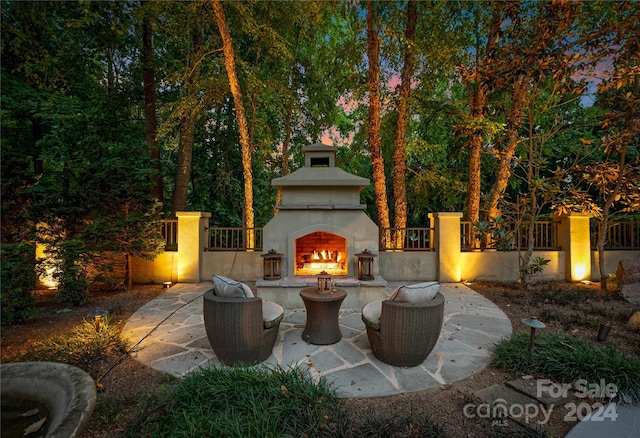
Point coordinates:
pixel 326 256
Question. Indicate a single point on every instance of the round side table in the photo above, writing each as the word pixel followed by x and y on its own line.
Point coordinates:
pixel 322 327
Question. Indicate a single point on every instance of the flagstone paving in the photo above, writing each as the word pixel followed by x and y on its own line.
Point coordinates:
pixel 169 335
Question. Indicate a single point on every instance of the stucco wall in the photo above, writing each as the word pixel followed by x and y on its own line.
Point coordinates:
pixel 163 268
pixel 409 266
pixel 241 266
pixel 611 259
pixel 500 267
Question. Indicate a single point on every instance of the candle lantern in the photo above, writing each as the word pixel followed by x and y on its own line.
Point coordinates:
pixel 272 265
pixel 365 265
pixel 324 283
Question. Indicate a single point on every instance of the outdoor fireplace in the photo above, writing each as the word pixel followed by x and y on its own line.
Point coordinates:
pixel 321 251
pixel 320 224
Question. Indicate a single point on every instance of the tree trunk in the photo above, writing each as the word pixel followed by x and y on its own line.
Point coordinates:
pixel 518 101
pixel 129 271
pixel 606 212
pixel 479 99
pixel 473 183
pixel 150 119
pixel 400 143
pixel 377 160
pixel 187 128
pixel 234 84
pixel 287 131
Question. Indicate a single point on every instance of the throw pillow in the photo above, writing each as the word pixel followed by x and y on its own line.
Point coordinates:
pixel 228 288
pixel 420 293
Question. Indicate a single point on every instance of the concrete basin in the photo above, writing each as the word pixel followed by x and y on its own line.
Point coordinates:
pixel 68 393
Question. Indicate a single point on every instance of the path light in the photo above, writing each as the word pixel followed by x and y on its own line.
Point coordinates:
pixel 167 284
pixel 97 315
pixel 534 323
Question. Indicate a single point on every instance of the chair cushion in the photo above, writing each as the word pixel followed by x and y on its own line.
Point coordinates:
pixel 371 315
pixel 272 313
pixel 420 293
pixel 228 288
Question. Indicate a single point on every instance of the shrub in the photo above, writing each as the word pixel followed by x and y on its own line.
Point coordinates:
pixel 82 347
pixel 18 280
pixel 566 360
pixel 242 401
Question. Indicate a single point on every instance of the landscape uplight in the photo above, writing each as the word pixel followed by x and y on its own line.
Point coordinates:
pixel 534 323
pixel 97 315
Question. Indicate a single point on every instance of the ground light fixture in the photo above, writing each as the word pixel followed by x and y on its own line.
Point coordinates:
pixel 534 323
pixel 167 284
pixel 97 315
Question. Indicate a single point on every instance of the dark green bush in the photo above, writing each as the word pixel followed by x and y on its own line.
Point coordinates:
pixel 565 359
pixel 18 280
pixel 71 271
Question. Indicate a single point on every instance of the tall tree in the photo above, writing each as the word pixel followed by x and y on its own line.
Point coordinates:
pixel 187 123
pixel 479 83
pixel 400 143
pixel 375 149
pixel 617 177
pixel 150 117
pixel 245 145
pixel 536 49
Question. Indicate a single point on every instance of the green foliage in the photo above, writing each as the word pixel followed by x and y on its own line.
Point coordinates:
pixel 534 267
pixel 18 280
pixel 82 347
pixel 566 360
pixel 496 231
pixel 242 401
pixel 69 263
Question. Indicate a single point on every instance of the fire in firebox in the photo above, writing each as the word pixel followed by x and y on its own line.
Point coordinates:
pixel 323 259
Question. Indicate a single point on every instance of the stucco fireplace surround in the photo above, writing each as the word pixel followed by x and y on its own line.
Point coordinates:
pixel 320 225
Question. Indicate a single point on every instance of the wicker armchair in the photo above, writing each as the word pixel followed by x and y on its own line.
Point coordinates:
pixel 406 332
pixel 237 330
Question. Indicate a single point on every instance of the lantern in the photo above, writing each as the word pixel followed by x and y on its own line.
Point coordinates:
pixel 365 265
pixel 272 265
pixel 324 283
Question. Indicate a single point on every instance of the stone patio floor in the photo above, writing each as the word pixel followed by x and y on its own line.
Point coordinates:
pixel 170 336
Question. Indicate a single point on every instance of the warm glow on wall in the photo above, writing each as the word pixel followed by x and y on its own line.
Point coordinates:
pixel 579 272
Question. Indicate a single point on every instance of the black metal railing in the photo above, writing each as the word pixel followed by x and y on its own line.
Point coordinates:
pixel 235 239
pixel 406 239
pixel 169 231
pixel 623 235
pixel 545 234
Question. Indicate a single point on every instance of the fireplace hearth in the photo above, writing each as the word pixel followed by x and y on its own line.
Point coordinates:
pixel 320 224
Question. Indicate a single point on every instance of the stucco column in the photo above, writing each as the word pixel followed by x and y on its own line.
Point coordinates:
pixel 574 238
pixel 447 246
pixel 192 240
